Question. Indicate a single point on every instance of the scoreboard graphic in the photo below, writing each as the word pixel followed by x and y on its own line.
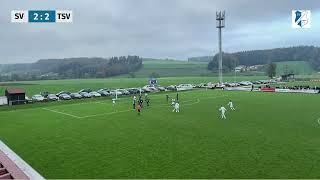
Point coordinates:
pixel 41 16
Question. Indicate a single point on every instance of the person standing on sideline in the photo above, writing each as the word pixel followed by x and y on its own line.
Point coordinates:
pixel 113 102
pixel 223 111
pixel 177 98
pixel 230 104
pixel 167 96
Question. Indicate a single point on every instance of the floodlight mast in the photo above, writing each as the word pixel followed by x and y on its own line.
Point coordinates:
pixel 220 17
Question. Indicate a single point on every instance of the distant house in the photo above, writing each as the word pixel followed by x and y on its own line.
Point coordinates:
pixel 240 68
pixel 15 96
pixel 287 77
pixel 243 68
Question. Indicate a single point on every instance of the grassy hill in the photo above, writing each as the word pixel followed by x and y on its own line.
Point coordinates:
pixel 169 68
pixel 296 67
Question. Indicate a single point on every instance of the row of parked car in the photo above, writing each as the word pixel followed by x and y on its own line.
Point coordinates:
pixel 88 93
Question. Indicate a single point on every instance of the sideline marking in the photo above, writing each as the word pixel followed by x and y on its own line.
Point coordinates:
pixel 62 113
pixel 19 162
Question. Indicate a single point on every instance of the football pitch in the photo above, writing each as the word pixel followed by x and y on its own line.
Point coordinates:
pixel 268 136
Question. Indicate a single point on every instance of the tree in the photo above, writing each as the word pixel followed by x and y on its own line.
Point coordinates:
pixel 271 70
pixel 154 75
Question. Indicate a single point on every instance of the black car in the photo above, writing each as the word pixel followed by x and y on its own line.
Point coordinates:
pixel 134 90
pixel 171 88
pixel 44 94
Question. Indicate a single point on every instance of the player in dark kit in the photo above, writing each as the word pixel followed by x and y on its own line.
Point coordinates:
pixel 167 96
pixel 140 102
pixel 147 100
pixel 139 109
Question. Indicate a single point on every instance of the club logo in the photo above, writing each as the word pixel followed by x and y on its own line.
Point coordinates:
pixel 301 18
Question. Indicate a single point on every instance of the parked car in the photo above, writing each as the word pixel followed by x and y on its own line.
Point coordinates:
pixel 104 89
pixel 85 95
pixel 63 92
pixel 28 100
pixel 85 90
pixel 146 89
pixel 272 81
pixel 38 98
pixel 161 88
pixel 208 85
pixel 142 90
pixel 171 88
pixel 95 94
pixel 75 96
pixel 134 90
pixel 113 93
pixel 52 97
pixel 44 94
pixel 103 92
pixel 123 91
pixel 245 83
pixel 184 87
pixel 64 97
pixel 150 88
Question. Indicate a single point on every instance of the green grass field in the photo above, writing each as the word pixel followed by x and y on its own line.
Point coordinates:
pixel 296 67
pixel 170 68
pixel 268 136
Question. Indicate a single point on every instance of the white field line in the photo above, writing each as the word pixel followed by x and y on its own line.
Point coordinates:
pixel 168 105
pixel 20 163
pixel 116 112
pixel 102 101
pixel 67 114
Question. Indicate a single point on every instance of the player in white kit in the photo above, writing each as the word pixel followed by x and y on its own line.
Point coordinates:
pixel 176 107
pixel 230 104
pixel 173 102
pixel 223 111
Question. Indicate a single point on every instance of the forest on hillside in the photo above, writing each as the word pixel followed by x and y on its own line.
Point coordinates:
pixel 309 54
pixel 82 67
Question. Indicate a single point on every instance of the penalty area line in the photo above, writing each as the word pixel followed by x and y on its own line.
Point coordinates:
pixel 58 112
pixel 116 112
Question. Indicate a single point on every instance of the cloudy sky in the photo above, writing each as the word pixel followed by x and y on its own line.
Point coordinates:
pixel 153 28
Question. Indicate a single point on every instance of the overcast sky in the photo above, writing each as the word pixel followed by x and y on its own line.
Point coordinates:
pixel 153 28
